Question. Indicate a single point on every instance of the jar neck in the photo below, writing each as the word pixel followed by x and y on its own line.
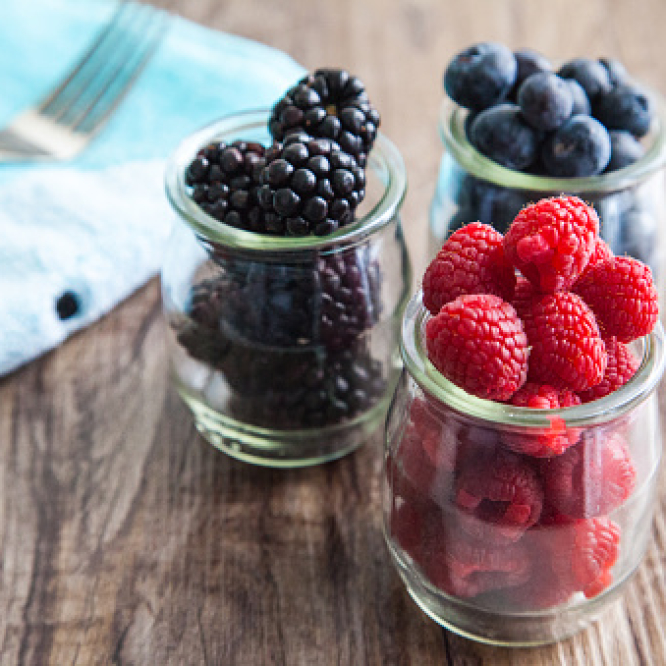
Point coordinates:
pixel 649 349
pixel 454 138
pixel 384 162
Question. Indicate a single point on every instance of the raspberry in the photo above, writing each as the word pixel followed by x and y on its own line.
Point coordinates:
pixel 590 479
pixel 620 368
pixel 471 261
pixel 551 241
pixel 478 343
pixel 407 524
pixel 523 295
pixel 499 496
pixel 623 297
pixel 601 252
pixel 583 553
pixel 465 568
pixel 439 435
pixel 544 443
pixel 566 347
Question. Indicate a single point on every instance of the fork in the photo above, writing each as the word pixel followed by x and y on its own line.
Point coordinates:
pixel 67 119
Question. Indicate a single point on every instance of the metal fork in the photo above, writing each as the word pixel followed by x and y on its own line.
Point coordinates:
pixel 65 121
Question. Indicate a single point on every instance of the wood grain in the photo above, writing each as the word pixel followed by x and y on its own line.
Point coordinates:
pixel 127 539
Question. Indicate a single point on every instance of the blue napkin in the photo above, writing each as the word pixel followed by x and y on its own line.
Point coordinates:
pixel 94 229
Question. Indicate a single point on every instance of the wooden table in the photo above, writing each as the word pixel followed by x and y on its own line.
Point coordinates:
pixel 127 539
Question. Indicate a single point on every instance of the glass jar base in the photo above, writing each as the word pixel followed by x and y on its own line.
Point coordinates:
pixel 283 448
pixel 527 629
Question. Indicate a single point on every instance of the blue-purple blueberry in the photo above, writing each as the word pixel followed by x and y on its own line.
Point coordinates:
pixel 545 100
pixel 616 71
pixel 502 134
pixel 591 74
pixel 626 107
pixel 625 150
pixel 481 75
pixel 580 147
pixel 581 102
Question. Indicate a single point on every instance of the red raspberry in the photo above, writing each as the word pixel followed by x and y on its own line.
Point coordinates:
pixel 499 496
pixel 438 432
pixel 590 479
pixel 583 553
pixel 623 297
pixel 471 261
pixel 523 295
pixel 551 241
pixel 600 253
pixel 543 443
pixel 465 567
pixel 566 347
pixel 478 343
pixel 620 368
pixel 407 527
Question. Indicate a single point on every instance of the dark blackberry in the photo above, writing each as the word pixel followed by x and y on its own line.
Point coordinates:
pixel 200 334
pixel 328 302
pixel 305 389
pixel 331 104
pixel 225 178
pixel 310 185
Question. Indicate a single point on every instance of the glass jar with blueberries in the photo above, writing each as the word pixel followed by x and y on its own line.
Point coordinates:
pixel 283 286
pixel 515 130
pixel 518 525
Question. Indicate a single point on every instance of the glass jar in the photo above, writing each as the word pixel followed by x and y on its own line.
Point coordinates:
pixel 500 545
pixel 630 202
pixel 286 349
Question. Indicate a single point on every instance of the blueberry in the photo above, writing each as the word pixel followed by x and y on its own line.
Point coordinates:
pixel 501 134
pixel 530 62
pixel 497 206
pixel 581 102
pixel 580 147
pixel 591 74
pixel 481 75
pixel 639 237
pixel 616 71
pixel 626 107
pixel 625 150
pixel 545 100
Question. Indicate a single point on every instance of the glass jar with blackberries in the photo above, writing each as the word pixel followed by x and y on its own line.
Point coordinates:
pixel 516 128
pixel 287 275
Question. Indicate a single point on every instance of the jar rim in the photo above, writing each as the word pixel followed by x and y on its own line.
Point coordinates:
pixel 384 157
pixel 602 410
pixel 452 134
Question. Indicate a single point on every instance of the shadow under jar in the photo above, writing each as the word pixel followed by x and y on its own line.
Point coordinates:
pixel 498 544
pixel 285 349
pixel 630 202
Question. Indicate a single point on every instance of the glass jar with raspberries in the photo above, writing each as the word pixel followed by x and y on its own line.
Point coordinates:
pixel 523 442
pixel 287 274
pixel 516 128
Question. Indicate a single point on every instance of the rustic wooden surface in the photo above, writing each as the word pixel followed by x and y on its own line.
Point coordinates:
pixel 127 539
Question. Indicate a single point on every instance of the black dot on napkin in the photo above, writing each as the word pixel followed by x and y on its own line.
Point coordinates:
pixel 67 305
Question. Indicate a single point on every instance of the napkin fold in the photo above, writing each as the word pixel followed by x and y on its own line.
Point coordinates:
pixel 90 232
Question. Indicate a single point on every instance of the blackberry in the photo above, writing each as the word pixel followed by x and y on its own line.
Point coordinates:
pixel 310 185
pixel 328 302
pixel 304 389
pixel 225 178
pixel 331 104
